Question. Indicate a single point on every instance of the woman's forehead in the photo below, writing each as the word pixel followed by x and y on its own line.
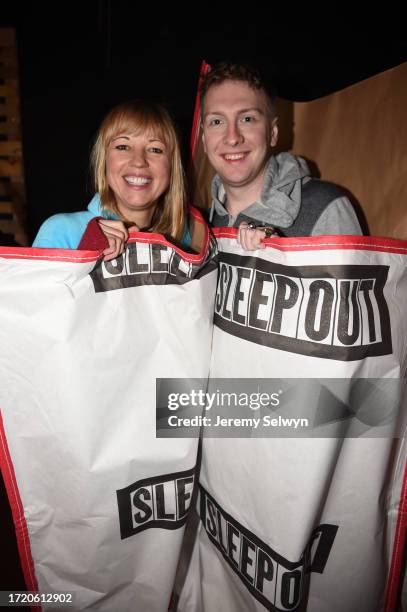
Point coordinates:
pixel 147 129
pixel 148 135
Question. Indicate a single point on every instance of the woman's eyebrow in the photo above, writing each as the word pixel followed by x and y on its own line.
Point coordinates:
pixel 156 140
pixel 120 136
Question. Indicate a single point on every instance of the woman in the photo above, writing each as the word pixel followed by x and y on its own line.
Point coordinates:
pixel 139 182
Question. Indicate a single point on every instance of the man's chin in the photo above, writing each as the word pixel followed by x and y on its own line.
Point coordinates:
pixel 235 181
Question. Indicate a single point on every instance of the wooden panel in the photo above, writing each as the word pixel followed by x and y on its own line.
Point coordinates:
pixel 10 107
pixel 6 207
pixel 8 227
pixel 9 89
pixel 4 188
pixel 12 193
pixel 10 129
pixel 10 169
pixel 10 147
pixel 7 72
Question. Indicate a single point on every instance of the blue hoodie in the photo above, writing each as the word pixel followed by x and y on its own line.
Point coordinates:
pixel 65 230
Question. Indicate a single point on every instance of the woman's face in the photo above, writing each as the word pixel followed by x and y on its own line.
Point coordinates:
pixel 138 172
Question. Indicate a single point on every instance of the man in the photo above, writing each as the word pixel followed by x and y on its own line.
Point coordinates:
pixel 253 187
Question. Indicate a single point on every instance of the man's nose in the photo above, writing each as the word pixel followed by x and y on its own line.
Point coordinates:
pixel 233 135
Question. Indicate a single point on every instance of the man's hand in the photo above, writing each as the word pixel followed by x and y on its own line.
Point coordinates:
pixel 117 236
pixel 250 238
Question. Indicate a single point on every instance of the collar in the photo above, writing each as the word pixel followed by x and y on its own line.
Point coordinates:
pixel 94 207
pixel 280 199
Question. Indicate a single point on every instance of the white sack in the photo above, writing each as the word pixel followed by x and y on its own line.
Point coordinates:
pixel 271 507
pixel 104 501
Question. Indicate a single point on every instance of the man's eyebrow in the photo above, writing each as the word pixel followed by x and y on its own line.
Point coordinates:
pixel 250 110
pixel 239 112
pixel 213 113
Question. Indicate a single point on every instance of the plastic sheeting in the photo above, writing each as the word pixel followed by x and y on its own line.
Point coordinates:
pixel 317 523
pixel 99 503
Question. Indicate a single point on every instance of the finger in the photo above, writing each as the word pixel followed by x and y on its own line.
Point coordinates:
pixel 114 249
pixel 244 241
pixel 114 228
pixel 256 239
pixel 241 232
pixel 252 239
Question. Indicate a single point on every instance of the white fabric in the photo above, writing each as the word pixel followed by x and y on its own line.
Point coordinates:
pixel 270 494
pixel 77 396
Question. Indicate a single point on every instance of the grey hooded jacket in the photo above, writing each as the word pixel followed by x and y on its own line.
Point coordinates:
pixel 292 201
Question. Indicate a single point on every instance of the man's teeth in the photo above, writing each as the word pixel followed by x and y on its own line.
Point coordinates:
pixel 234 156
pixel 137 180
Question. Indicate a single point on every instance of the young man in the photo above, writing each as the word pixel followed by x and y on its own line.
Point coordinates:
pixel 253 187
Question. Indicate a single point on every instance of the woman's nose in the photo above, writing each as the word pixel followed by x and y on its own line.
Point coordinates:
pixel 139 158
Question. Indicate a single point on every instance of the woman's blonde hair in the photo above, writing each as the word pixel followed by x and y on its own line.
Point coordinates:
pixel 140 117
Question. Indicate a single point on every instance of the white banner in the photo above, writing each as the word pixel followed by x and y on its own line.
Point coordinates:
pixel 314 523
pixel 99 503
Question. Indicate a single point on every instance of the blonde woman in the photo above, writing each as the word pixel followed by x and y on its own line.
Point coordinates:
pixel 139 182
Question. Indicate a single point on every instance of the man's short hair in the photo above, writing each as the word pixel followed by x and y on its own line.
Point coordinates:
pixel 229 71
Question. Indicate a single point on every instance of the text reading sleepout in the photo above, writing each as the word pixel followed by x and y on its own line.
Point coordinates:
pixel 335 312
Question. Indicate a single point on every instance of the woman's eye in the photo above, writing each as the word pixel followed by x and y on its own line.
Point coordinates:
pixel 156 150
pixel 122 147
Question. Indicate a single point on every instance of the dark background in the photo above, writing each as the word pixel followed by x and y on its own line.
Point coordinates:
pixel 79 59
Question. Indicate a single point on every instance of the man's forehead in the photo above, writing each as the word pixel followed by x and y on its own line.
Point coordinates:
pixel 233 96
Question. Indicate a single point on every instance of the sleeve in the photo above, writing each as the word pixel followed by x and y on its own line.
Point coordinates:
pixel 50 234
pixel 93 239
pixel 339 218
pixel 58 232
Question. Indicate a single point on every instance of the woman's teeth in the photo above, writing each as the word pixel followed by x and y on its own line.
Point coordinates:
pixel 137 180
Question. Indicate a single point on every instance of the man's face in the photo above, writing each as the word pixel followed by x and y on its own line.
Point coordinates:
pixel 237 132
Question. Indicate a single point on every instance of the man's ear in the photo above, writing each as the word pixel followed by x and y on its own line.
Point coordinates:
pixel 274 132
pixel 203 139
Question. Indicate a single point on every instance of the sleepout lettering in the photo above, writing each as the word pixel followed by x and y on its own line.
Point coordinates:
pixel 335 312
pixel 147 264
pixel 274 581
pixel 161 501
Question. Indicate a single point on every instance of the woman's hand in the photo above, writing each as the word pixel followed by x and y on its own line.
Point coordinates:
pixel 117 236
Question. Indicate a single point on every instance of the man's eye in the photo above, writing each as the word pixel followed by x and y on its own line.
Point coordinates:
pixel 248 119
pixel 122 147
pixel 215 122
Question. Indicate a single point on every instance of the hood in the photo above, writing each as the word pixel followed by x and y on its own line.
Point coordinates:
pixel 280 199
pixel 95 208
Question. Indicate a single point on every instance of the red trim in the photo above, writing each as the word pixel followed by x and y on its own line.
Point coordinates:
pixel 151 238
pixel 359 243
pixel 73 256
pixel 76 256
pixel 195 124
pixel 17 510
pixel 393 584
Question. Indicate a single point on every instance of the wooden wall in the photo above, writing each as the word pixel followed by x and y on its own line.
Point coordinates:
pixel 12 193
